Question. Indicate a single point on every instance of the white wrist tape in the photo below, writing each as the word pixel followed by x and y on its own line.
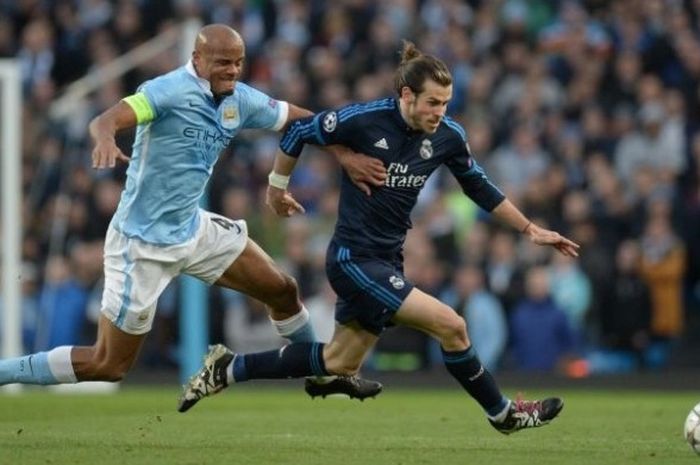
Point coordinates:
pixel 277 180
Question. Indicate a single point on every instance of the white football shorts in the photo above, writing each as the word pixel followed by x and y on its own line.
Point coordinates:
pixel 136 272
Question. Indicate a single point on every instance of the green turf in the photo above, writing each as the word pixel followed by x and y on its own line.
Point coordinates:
pixel 268 426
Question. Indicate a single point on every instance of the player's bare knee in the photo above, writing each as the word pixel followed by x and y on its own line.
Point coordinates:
pixel 290 289
pixel 283 298
pixel 453 333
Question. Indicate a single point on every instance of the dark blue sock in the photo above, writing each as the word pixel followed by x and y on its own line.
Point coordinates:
pixel 466 367
pixel 291 361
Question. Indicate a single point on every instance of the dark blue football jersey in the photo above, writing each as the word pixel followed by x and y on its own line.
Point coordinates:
pixel 378 223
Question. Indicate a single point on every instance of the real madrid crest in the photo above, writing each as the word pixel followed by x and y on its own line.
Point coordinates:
pixel 229 117
pixel 426 149
pixel 397 282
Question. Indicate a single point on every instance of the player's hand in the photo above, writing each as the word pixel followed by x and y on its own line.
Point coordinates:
pixel 541 236
pixel 364 171
pixel 282 202
pixel 105 155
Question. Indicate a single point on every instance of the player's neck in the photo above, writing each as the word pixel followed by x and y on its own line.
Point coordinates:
pixel 403 109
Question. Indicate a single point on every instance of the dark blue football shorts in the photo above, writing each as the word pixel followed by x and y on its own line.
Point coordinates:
pixel 370 286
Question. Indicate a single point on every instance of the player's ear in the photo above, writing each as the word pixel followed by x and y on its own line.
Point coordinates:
pixel 407 94
pixel 196 57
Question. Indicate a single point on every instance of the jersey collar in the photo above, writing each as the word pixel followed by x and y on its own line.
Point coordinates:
pixel 203 83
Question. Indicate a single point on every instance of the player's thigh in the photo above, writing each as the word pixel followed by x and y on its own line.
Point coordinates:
pixel 348 348
pixel 218 242
pixel 256 274
pixel 369 290
pixel 224 255
pixel 426 313
pixel 136 273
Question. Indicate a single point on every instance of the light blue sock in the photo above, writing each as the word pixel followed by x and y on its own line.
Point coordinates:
pixel 304 334
pixel 29 369
pixel 52 367
pixel 297 328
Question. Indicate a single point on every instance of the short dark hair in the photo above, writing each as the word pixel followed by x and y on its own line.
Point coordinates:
pixel 415 68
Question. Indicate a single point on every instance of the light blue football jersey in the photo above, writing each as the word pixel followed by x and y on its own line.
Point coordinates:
pixel 174 154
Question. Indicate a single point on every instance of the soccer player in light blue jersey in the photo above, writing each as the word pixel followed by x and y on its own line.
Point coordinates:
pixel 184 120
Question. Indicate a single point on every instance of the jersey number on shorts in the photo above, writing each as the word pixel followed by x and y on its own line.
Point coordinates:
pixel 226 224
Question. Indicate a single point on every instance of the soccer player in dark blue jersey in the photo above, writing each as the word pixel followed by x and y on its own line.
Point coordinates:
pixel 412 137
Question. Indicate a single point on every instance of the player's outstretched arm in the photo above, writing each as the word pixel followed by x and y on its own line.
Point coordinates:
pixel 102 130
pixel 509 214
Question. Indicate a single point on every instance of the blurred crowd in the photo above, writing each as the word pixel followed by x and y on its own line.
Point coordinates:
pixel 586 113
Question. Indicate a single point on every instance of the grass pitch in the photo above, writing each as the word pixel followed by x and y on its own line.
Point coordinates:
pixel 268 426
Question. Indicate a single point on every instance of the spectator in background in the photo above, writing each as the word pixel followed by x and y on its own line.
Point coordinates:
pixel 7 37
pixel 626 316
pixel 62 309
pixel 541 337
pixel 30 305
pixel 475 245
pixel 658 146
pixel 522 160
pixel 662 266
pixel 571 292
pixel 691 223
pixel 504 273
pixel 69 43
pixel 36 55
pixel 595 131
pixel 618 90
